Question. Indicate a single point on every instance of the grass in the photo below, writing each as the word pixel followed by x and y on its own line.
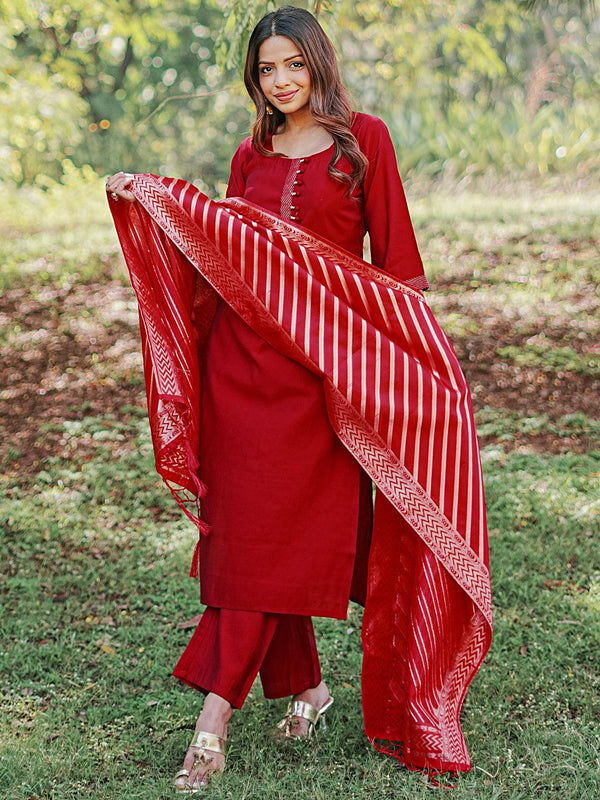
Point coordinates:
pixel 95 555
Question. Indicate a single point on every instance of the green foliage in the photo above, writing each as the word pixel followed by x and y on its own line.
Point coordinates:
pixel 240 18
pixel 551 359
pixel 477 88
pixel 506 425
pixel 103 68
pixel 467 87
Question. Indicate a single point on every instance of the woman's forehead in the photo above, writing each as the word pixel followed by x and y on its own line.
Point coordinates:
pixel 278 48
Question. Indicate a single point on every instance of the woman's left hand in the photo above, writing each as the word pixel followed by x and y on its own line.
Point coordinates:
pixel 117 184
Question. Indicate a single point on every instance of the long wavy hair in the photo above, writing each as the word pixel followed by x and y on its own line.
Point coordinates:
pixel 329 102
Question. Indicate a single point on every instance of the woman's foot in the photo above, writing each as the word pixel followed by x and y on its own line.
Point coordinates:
pixel 215 715
pixel 319 697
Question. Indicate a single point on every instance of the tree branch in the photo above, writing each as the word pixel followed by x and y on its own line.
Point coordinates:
pixel 181 97
pixel 127 59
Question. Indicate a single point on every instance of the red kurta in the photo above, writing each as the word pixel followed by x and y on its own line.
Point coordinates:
pixel 283 492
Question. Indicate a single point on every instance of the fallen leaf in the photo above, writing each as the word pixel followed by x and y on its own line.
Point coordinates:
pixel 190 623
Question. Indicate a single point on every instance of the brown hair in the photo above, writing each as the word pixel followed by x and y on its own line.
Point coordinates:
pixel 329 102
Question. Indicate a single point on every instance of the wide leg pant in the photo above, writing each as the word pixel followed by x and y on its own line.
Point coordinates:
pixel 229 648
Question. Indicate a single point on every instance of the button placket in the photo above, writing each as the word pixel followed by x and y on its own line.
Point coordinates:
pixel 294 216
pixel 290 206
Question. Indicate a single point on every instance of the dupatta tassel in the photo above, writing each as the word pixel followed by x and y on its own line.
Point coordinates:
pixel 189 503
pixel 195 565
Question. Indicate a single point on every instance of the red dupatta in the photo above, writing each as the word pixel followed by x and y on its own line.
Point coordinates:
pixel 396 398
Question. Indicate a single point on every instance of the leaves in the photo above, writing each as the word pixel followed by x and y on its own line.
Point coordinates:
pixel 466 87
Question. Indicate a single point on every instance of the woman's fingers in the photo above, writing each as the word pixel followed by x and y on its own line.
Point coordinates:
pixel 123 194
pixel 116 186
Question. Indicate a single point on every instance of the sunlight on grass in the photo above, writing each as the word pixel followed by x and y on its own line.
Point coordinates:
pixel 59 237
pixel 507 205
pixel 591 598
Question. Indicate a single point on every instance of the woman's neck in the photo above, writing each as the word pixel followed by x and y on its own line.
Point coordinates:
pixel 301 135
pixel 299 122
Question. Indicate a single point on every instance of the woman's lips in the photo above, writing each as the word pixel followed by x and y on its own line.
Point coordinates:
pixel 284 96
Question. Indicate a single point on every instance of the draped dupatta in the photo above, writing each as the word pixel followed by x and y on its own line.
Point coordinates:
pixel 396 398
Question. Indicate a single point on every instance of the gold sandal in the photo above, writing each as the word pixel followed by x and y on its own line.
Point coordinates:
pixel 299 709
pixel 206 743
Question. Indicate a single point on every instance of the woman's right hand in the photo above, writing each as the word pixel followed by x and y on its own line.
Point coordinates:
pixel 117 184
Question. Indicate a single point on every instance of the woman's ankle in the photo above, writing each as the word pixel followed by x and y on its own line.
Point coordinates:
pixel 215 715
pixel 317 696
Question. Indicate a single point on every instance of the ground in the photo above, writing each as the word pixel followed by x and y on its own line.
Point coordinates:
pixel 519 302
pixel 95 552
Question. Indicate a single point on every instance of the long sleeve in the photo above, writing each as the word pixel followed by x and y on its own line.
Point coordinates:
pixel 387 219
pixel 237 180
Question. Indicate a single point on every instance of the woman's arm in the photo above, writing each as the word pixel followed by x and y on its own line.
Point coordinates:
pixel 393 243
pixel 236 186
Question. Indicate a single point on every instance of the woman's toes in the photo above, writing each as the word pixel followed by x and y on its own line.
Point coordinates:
pixel 199 770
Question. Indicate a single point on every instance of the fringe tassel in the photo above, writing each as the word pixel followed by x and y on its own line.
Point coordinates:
pixel 439 776
pixel 184 501
pixel 194 466
pixel 195 565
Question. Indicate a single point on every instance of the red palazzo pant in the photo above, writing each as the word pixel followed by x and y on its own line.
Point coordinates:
pixel 230 647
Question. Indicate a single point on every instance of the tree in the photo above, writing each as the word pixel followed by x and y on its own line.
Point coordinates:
pixel 80 78
pixel 145 85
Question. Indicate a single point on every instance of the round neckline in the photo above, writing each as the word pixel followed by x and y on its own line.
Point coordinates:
pixel 298 158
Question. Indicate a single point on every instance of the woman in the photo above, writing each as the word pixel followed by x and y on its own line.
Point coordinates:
pixel 287 466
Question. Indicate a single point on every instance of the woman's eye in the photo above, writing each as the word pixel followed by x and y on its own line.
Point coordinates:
pixel 265 70
pixel 297 64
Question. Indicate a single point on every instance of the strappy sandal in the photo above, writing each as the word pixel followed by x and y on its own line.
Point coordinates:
pixel 299 709
pixel 206 743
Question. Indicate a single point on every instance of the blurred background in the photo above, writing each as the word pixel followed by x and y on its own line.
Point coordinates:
pixel 494 108
pixel 468 88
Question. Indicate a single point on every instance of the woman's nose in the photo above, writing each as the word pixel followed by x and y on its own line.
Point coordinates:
pixel 281 78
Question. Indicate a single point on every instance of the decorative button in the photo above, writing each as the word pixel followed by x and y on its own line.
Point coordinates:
pixel 294 194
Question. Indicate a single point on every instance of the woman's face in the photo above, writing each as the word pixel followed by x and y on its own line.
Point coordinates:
pixel 283 74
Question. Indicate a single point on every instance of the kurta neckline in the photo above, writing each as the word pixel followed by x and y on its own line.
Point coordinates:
pixel 299 158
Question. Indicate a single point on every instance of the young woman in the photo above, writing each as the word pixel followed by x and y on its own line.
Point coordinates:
pixel 310 387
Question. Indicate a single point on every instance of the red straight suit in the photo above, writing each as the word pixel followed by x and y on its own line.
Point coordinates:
pixel 283 492
pixel 284 495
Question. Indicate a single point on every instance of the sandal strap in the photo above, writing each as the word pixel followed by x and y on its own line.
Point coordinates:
pixel 304 710
pixel 209 741
pixel 300 709
pixel 183 773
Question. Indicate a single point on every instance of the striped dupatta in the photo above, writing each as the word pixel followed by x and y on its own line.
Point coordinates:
pixel 396 398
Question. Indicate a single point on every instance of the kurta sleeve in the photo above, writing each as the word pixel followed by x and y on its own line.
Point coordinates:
pixel 387 219
pixel 237 179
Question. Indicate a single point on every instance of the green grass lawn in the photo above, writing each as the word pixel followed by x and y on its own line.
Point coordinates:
pixel 95 553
